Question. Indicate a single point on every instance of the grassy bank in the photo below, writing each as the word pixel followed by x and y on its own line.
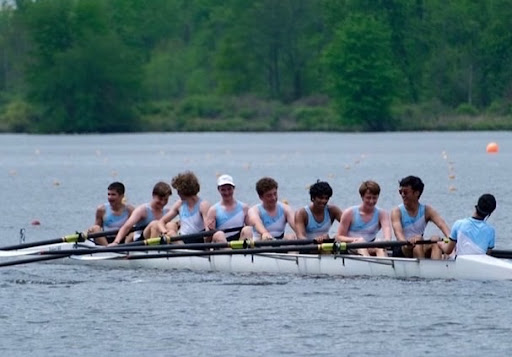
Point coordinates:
pixel 212 113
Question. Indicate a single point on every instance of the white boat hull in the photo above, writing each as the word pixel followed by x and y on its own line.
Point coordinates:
pixel 471 267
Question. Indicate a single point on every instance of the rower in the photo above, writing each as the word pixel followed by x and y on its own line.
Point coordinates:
pixel 314 220
pixel 410 219
pixel 190 208
pixel 146 214
pixel 362 223
pixel 473 235
pixel 269 218
pixel 228 213
pixel 111 215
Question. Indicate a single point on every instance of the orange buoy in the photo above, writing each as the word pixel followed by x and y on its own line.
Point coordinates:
pixel 492 148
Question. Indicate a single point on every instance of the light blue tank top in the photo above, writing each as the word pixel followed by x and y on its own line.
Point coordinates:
pixel 413 226
pixel 112 221
pixel 359 228
pixel 191 220
pixel 231 219
pixel 315 228
pixel 274 225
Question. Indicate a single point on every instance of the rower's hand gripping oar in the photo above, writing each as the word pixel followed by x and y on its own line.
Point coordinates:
pixel 184 238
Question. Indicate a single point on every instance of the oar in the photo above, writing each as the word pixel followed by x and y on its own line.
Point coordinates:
pixel 32 260
pixel 64 253
pixel 184 237
pixel 236 244
pixel 337 248
pixel 72 238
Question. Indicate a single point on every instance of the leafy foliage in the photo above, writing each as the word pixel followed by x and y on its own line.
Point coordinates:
pixel 100 66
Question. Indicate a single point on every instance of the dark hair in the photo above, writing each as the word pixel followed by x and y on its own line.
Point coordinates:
pixel 116 186
pixel 265 184
pixel 486 205
pixel 162 189
pixel 414 182
pixel 320 188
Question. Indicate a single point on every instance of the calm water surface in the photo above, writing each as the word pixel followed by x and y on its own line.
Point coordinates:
pixel 58 310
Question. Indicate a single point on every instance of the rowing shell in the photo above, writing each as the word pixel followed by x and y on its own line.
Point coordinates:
pixel 469 267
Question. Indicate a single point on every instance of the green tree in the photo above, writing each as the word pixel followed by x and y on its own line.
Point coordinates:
pixel 81 74
pixel 362 74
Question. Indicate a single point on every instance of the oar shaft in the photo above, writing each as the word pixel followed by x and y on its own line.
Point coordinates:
pixel 72 238
pixel 236 244
pixel 69 238
pixel 32 260
pixel 312 248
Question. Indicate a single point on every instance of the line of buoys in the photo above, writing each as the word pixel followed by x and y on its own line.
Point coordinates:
pixel 492 148
pixel 451 170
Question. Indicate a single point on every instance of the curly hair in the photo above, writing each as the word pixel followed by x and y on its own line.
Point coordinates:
pixel 186 183
pixel 320 188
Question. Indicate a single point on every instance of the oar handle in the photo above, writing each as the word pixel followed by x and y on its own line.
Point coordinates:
pixel 112 232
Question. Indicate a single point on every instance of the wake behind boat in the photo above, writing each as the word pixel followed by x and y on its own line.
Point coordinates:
pixel 268 260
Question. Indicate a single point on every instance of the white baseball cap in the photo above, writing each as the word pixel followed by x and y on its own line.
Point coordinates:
pixel 225 180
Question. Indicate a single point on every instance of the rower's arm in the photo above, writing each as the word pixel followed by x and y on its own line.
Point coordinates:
pixel 433 216
pixel 396 224
pixel 204 208
pixel 100 212
pixel 342 233
pixel 301 218
pixel 290 217
pixel 385 224
pixel 211 222
pixel 335 212
pixel 256 222
pixel 137 215
pixel 247 220
pixel 173 212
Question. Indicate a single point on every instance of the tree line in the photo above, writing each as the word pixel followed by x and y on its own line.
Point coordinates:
pixel 129 65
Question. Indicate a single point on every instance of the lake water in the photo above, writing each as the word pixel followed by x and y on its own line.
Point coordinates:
pixel 58 310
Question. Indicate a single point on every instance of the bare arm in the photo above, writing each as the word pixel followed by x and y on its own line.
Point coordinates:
pixel 290 217
pixel 130 209
pixel 335 212
pixel 432 215
pixel 204 208
pixel 247 220
pixel 396 223
pixel 211 222
pixel 173 212
pixel 342 234
pixel 100 212
pixel 137 215
pixel 385 224
pixel 257 223
pixel 301 221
